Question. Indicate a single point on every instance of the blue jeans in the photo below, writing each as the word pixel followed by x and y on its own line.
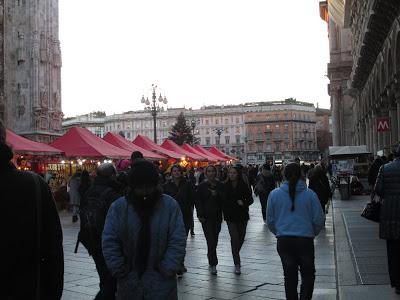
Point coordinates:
pixel 297 253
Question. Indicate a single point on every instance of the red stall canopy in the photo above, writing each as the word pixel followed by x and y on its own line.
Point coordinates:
pixel 170 145
pixel 189 148
pixel 80 142
pixel 146 143
pixel 22 145
pixel 208 153
pixel 121 142
pixel 216 151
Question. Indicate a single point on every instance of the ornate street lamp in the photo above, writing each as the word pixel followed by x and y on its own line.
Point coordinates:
pixel 153 107
pixel 219 131
pixel 193 124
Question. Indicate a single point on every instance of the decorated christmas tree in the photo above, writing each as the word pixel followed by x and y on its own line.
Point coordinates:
pixel 181 132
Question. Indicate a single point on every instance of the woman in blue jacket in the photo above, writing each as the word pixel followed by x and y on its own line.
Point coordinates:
pixel 295 216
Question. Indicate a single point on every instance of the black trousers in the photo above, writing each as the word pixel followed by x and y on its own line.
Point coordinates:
pixel 393 255
pixel 211 228
pixel 237 231
pixel 263 201
pixel 108 285
pixel 297 253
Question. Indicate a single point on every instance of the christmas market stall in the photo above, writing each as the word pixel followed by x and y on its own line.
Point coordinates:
pixel 84 151
pixel 209 154
pixel 121 142
pixel 214 150
pixel 30 155
pixel 148 144
pixel 190 149
pixel 189 159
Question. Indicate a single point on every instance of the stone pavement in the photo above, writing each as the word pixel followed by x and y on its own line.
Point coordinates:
pixel 362 271
pixel 262 276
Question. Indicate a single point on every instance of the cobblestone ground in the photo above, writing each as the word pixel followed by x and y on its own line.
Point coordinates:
pixel 262 276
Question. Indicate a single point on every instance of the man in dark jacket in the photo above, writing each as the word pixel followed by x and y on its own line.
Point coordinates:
pixel 265 184
pixel 29 270
pixel 388 187
pixel 105 190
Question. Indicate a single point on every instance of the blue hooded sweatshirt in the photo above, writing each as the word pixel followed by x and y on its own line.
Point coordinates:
pixel 306 220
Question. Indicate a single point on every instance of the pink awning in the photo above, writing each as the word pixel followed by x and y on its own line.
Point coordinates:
pixel 22 145
pixel 170 145
pixel 216 151
pixel 146 143
pixel 189 148
pixel 121 142
pixel 80 142
pixel 208 153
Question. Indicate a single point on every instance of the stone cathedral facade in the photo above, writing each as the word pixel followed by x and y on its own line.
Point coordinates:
pixel 30 68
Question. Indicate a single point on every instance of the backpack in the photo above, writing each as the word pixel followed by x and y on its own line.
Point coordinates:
pixel 93 212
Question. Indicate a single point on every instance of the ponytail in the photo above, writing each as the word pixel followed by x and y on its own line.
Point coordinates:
pixel 292 174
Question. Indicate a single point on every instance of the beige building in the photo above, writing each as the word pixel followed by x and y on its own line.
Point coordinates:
pixel 30 68
pixel 224 126
pixel 281 131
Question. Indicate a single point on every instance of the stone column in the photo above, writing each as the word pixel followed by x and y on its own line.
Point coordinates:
pixel 393 125
pixel 374 142
pixel 335 116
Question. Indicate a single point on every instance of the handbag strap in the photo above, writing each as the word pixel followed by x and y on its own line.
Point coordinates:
pixel 38 200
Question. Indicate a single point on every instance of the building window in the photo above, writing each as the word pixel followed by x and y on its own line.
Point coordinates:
pixel 216 121
pixel 277 126
pixel 226 130
pixel 227 140
pixel 238 130
pixel 206 122
pixel 207 131
pixel 237 120
pixel 226 121
pixel 238 139
pixel 268 126
pixel 128 135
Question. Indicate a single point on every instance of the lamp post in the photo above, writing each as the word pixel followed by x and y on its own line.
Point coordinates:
pixel 154 107
pixel 219 131
pixel 193 124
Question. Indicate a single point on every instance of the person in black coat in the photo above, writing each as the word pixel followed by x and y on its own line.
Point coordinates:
pixel 373 171
pixel 209 201
pixel 387 186
pixel 265 184
pixel 238 198
pixel 29 270
pixel 319 183
pixel 106 190
pixel 182 191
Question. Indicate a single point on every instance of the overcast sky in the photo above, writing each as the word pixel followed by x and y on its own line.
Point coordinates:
pixel 199 52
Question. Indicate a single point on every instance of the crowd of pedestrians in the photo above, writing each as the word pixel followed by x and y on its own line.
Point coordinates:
pixel 134 222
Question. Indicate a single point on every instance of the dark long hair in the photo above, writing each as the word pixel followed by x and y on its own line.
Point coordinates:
pixel 292 174
pixel 239 171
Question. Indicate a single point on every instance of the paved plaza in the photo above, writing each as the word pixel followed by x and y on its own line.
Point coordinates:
pixel 262 275
pixel 350 261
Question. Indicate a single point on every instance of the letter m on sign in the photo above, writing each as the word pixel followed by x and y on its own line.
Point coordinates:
pixel 382 124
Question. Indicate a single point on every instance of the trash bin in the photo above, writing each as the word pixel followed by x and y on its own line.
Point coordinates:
pixel 344 188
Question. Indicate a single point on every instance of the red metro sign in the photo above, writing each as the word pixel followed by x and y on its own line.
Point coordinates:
pixel 382 124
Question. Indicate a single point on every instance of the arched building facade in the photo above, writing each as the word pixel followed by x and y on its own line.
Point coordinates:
pixel 374 81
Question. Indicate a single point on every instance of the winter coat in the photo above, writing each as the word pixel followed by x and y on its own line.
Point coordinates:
pixel 388 187
pixel 184 195
pixel 74 196
pixel 168 242
pixel 105 190
pixel 307 218
pixel 207 205
pixel 319 183
pixel 265 184
pixel 233 212
pixel 19 238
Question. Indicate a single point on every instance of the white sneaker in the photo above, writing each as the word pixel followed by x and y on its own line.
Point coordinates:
pixel 237 270
pixel 214 270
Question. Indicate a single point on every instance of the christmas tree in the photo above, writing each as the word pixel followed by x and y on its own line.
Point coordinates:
pixel 181 132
